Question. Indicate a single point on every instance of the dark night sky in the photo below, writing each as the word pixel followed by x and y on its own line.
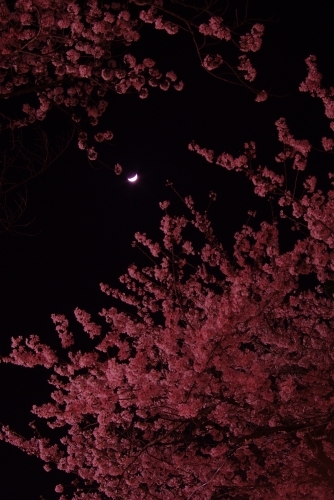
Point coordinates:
pixel 85 218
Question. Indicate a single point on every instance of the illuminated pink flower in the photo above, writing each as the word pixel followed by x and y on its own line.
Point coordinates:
pixel 246 66
pixel 252 41
pixel 118 169
pixel 261 96
pixel 179 86
pixel 211 62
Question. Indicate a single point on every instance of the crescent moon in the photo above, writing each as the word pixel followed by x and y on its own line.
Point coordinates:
pixel 133 179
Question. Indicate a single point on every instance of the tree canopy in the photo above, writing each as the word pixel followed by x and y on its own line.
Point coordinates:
pixel 209 375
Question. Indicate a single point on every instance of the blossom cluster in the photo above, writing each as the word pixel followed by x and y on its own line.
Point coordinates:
pixel 312 84
pixel 152 16
pixel 64 53
pixel 296 149
pixel 216 28
pixel 251 42
pixel 246 66
pixel 211 62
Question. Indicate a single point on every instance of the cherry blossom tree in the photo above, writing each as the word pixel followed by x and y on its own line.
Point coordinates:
pixel 72 55
pixel 216 381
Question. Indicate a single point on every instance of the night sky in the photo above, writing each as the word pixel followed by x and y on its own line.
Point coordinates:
pixel 83 219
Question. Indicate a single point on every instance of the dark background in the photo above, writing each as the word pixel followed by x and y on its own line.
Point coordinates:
pixel 84 218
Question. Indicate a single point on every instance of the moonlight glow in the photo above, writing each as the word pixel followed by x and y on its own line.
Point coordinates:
pixel 133 179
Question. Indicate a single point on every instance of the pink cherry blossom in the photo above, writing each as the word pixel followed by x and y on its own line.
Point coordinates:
pixel 261 96
pixel 178 86
pixel 327 143
pixel 211 62
pixel 216 28
pixel 252 41
pixel 246 66
pixel 118 169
